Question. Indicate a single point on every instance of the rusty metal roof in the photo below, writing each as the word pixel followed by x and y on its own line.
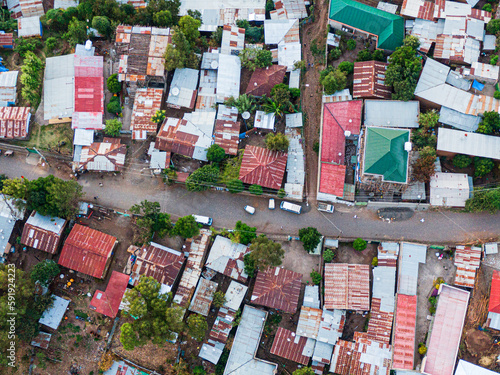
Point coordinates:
pixel 108 302
pixel 467 260
pixel 404 332
pixel 263 167
pixel 42 340
pixel 203 297
pixel 43 232
pixel 264 79
pixel 369 80
pixel 347 286
pixel 309 322
pixel 277 288
pixel 226 257
pixel 14 122
pixel 87 250
pixel 380 323
pixel 159 262
pixel 226 135
pixel 387 254
pixel 290 346
pixel 233 40
pixel 6 40
pixel 222 325
pixel 146 103
pixel 103 156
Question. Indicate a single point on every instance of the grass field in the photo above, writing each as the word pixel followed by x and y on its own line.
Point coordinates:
pixel 48 138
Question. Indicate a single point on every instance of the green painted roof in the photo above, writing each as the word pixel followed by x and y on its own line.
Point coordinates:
pixel 385 153
pixel 389 27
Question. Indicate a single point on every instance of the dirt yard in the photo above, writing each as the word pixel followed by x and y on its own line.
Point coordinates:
pixel 298 260
pixel 346 254
pixel 56 138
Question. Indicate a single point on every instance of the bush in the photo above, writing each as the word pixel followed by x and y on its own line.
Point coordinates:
pixel 496 94
pixel 216 153
pixel 50 44
pixel 316 277
pixel 235 186
pixel 487 7
pixel 113 85
pixel 461 161
pixel 375 262
pixel 378 55
pixel 351 44
pixel 219 299
pixel 422 349
pixel 277 142
pixel 114 107
pixel 347 67
pixel 316 147
pixel 493 27
pixel 203 178
pixel 333 80
pixel 359 244
pixel 255 189
pixel 484 200
pixel 364 55
pixel 113 127
pixel 494 60
pixel 328 255
pixel 335 54
pixel 250 265
pixel 310 238
pixel 281 193
pixel 482 166
pixel 295 93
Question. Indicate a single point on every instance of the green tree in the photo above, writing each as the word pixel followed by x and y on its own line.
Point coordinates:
pixel 378 55
pixel 411 41
pixel 328 255
pixel 197 325
pixel 425 134
pixel 490 123
pixel 187 227
pixel 482 166
pixel 281 95
pixel 180 53
pixel 494 61
pixel 3 178
pixel 484 200
pixel 310 238
pixel 461 161
pixel 316 277
pixel 163 18
pixel 44 272
pixel 202 178
pixel 304 371
pixel 266 253
pixel 250 265
pixel 102 25
pixel 244 103
pixel 255 189
pixel 189 26
pixel 333 80
pixel 113 85
pixel 359 244
pixel 335 54
pixel 51 44
pixel 56 20
pixel 31 78
pixel 253 58
pixel 364 55
pixel 281 193
pixel 277 142
pixel 113 127
pixel 17 188
pixel 216 153
pixel 270 106
pixel 159 116
pixel 219 299
pixel 77 32
pixel 243 233
pixel 22 46
pixel 156 319
pixel 351 44
pixel 62 199
pixel 235 186
pixel 196 14
pixel 114 107
pixel 493 26
pixel 151 221
pixel 347 67
pixel 424 167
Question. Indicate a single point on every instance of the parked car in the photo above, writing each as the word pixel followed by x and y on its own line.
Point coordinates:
pixel 250 209
pixel 271 204
pixel 204 220
pixel 291 207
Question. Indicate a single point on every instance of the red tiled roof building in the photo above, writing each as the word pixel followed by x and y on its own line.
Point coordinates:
pixel 263 167
pixel 108 302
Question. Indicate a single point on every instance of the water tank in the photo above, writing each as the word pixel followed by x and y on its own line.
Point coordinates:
pixel 175 91
pixel 408 146
pixel 88 45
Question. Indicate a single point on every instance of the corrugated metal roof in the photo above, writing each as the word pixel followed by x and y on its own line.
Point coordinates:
pixel 183 88
pixel 226 135
pixel 242 357
pixel 211 351
pixel 233 40
pixel 14 122
pixel 418 9
pixel 384 287
pixel 294 120
pixel 290 346
pixel 53 315
pixel 331 326
pixel 9 213
pixel 87 250
pixel 42 340
pixel 404 332
pixel 228 77
pixel 29 26
pixel 264 79
pixel 387 253
pixel 459 120
pixel 103 156
pixel 392 113
pixel 369 80
pixel 210 60
pixel 275 30
pixel 332 179
pixel 311 296
pixel 222 325
pixel 6 40
pixel 234 295
pixel 380 323
pixel 446 331
pixel 264 120
pixel 226 257
pixel 59 87
pixel 43 232
pixel 146 103
pixel 65 4
pixel 467 368
pixel 207 90
pixel 277 288
pixel 108 302
pixel 203 297
pixel 427 32
pixel 122 368
pixel 295 164
pixel 8 89
pixel 410 256
pixel 294 80
pixel 263 167
pixel 83 137
pixel 489 43
pixel 347 286
pixel 449 189
pixel 309 321
pixel 294 8
pixel 467 260
pixel 473 144
pixel 322 353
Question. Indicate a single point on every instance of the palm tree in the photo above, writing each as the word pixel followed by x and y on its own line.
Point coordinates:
pixel 273 107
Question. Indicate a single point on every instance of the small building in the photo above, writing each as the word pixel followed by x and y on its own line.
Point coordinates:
pixel 291 9
pixel 6 40
pixel 59 89
pixel 227 135
pixel 123 368
pixel 203 297
pixel 392 113
pixel 309 322
pixel 449 189
pixel 25 8
pixel 233 40
pixel 146 103
pixel 235 294
pixel 451 142
pixel 311 296
pixel 285 34
pixel 468 123
pixel 43 232
pixel 52 317
pixel 467 260
pixel 277 288
pixel 264 79
pixel 14 122
pixel 108 302
pixel 369 80
pixel 42 340
pixel 483 72
pixel 290 346
pixel 467 368
pixel 263 167
pixel 264 121
pixel 226 257
pixel 410 257
pixel 347 286
pixel 9 214
pixel 88 251
pixel 403 344
pixel 29 27
pixel 182 92
pixel 106 156
pixel 228 77
pixel 8 88
pixel 65 4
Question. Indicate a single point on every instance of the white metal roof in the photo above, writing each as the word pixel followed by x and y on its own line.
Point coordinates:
pixel 473 144
pixel 410 256
pixel 228 77
pixel 392 113
pixel 467 368
pixel 456 79
pixel 234 295
pixel 294 120
pixel 275 30
pixel 489 42
pixel 159 160
pixel 51 224
pixel 29 26
pixel 224 251
pixel 329 328
pixel 183 88
pixel 211 351
pixel 264 120
pixel 83 137
pixel 65 4
pixel 449 189
pixel 485 71
pixel 311 296
pixel 384 284
pixel 53 315
pixel 294 81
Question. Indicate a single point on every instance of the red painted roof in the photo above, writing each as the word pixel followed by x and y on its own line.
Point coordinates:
pixel 404 332
pixel 108 302
pixel 264 79
pixel 87 250
pixel 89 94
pixel 14 122
pixel 332 179
pixel 263 167
pixel 290 346
pixel 495 293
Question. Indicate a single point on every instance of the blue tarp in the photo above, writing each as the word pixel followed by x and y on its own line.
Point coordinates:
pixel 478 86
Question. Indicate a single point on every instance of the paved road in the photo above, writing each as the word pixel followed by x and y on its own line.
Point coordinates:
pixel 120 192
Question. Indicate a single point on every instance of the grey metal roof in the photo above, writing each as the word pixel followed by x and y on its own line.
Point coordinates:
pixel 234 295
pixel 473 144
pixel 77 154
pixel 275 30
pixel 294 120
pixel 384 287
pixel 183 87
pixel 459 120
pixel 228 77
pixel 51 224
pixel 29 26
pixel 449 189
pixel 433 74
pixel 9 213
pixel 322 351
pixel 227 113
pixel 413 191
pixel 311 296
pixel 309 320
pixel 264 120
pixel 410 256
pixel 489 42
pixel 475 28
pixel 53 315
pixel 227 257
pixel 8 82
pixel 58 97
pixel 295 164
pixel 212 351
pixel 60 66
pixel 83 137
pixel 159 160
pixel 457 80
pixel 294 81
pixel 80 49
pixel 330 327
pixel 330 242
pixel 392 113
pixel 242 359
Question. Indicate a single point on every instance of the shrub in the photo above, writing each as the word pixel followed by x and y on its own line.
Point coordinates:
pixel 364 55
pixel 113 85
pixel 333 80
pixel 295 93
pixel 378 55
pixel 114 107
pixel 351 44
pixel 255 189
pixel 328 255
pixel 250 265
pixel 375 262
pixel 215 153
pixel 219 299
pixel 281 193
pixel 493 27
pixel 203 178
pixel 316 147
pixel 316 277
pixel 235 186
pixel 494 60
pixel 487 7
pixel 347 67
pixel 335 54
pixel 113 127
pixel 461 161
pixel 483 166
pixel 496 94
pixel 359 244
pixel 277 142
pixel 51 43
pixel 422 349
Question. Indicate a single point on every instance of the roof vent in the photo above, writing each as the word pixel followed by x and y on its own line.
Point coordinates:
pixel 88 45
pixel 214 64
pixel 175 91
pixel 350 120
pixel 347 133
pixel 408 146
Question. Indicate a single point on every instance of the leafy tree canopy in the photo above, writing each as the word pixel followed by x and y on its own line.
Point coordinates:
pixel 253 58
pixel 202 178
pixel 266 253
pixel 44 272
pixel 359 244
pixel 277 142
pixel 113 85
pixel 216 153
pixel 151 222
pixel 243 233
pixel 333 80
pixel 310 238
pixel 113 127
pixel 197 325
pixel 187 227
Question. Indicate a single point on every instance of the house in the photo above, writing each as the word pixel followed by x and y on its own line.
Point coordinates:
pixel 330 330
pixel 351 16
pixel 226 257
pixel 264 79
pixel 386 154
pixel 233 40
pixel 451 142
pixel 196 248
pixel 403 344
pixel 160 160
pixel 387 254
pixel 9 214
pixel 25 8
pixel 8 88
pixel 53 315
pixel 493 320
pixel 42 340
pixel 467 260
pixel 392 113
pixel 468 123
pixel 242 357
pixel 203 297
pixel 108 302
pixel 295 164
pixel 311 296
pixel 87 251
pixel 227 134
pixel 123 368
pixel 14 122
pixel 182 92
pixel 290 346
pixel 277 288
pixel 285 34
pixel 483 72
pixel 449 189
pixel 410 257
pixel 156 261
pixel 228 77
pixel 263 167
pixel 467 368
pixel 207 89
pixel 309 321
pixel 59 89
pixel 426 31
pixel 106 156
pixel 43 232
pixel 340 128
pixel 147 102
pixel 369 80
pixel 446 332
pixel 6 40
pixel 29 27
pixel 347 286
pixel 428 10
pixel 264 121
pixel 291 9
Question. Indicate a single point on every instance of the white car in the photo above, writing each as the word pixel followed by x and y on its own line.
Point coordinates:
pixel 249 209
pixel 271 204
